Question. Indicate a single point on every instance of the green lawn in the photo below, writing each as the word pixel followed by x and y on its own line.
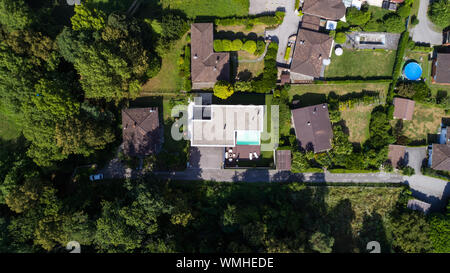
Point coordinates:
pixel 361 64
pixel 357 121
pixel 216 8
pixel 340 89
pixel 8 129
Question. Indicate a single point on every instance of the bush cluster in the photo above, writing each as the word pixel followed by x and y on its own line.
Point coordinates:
pixel 227 45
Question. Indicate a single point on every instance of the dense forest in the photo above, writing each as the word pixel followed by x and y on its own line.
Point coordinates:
pixel 65 73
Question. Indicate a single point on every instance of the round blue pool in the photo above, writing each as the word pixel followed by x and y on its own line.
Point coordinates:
pixel 413 71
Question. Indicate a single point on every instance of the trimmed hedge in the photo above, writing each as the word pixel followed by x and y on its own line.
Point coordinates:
pixel 402 44
pixel 435 173
pixel 387 80
pixel 270 20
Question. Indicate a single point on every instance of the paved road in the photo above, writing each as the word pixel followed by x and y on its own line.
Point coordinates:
pixel 286 29
pixel 255 175
pixel 425 31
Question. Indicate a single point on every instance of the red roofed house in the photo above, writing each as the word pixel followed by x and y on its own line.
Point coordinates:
pixel 141 131
pixel 404 108
pixel 207 66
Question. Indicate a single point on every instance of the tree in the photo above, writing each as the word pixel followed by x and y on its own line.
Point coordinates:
pixel 394 23
pixel 321 242
pixel 249 46
pixel 410 232
pixel 340 38
pixel 226 45
pixel 439 13
pixel 86 18
pixel 440 231
pixel 408 171
pixel 15 14
pixel 223 89
pixel 173 26
pixel 404 10
pixel 357 17
pixel 82 136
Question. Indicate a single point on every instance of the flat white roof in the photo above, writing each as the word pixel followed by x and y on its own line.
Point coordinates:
pixel 220 130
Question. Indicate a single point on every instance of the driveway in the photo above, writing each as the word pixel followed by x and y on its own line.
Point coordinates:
pixel 415 156
pixel 206 158
pixel 425 31
pixel 266 6
pixel 286 29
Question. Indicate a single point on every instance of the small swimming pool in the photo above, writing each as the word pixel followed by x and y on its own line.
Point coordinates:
pixel 248 137
pixel 413 71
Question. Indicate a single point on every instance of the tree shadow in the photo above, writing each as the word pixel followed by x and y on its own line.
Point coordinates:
pixel 251 175
pixel 244 75
pixel 342 216
pixel 373 230
pixel 308 99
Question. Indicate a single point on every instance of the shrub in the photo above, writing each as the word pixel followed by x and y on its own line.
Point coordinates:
pixel 280 15
pixel 414 20
pixel 218 46
pixel 374 25
pixel 357 17
pixel 340 38
pixel 400 53
pixel 408 171
pixel 236 45
pixel 249 46
pixel 226 45
pixel 260 46
pixel 223 89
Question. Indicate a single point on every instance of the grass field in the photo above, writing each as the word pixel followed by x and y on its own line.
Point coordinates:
pixel 426 120
pixel 168 79
pixel 357 121
pixel 358 63
pixel 216 8
pixel 339 89
pixel 8 129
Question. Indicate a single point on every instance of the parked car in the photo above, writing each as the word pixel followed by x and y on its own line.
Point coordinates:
pixel 95 177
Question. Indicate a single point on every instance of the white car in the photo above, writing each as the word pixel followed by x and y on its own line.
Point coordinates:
pixel 94 177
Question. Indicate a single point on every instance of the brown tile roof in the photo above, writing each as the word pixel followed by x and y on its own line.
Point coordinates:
pixel 313 127
pixel 311 48
pixel 396 155
pixel 283 158
pixel 311 22
pixel 141 131
pixel 285 78
pixel 206 65
pixel 328 9
pixel 440 157
pixel 404 108
pixel 418 205
pixel 442 74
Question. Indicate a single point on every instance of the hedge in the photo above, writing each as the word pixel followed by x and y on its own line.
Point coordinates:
pixel 270 20
pixel 435 173
pixel 402 44
pixel 387 80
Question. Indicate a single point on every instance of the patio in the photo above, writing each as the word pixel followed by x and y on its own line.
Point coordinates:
pixel 239 153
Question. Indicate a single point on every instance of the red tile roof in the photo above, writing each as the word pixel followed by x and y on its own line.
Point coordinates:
pixel 404 108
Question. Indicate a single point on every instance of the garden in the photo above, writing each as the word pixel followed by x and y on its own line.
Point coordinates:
pixel 361 64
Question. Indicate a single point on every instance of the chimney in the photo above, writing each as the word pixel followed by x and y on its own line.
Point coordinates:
pixel 195 56
pixel 309 123
pixel 215 68
pixel 324 106
pixel 315 110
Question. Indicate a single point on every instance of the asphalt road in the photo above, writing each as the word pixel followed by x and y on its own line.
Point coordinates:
pixel 425 31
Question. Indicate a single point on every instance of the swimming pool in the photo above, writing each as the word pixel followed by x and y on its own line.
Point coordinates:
pixel 248 137
pixel 413 71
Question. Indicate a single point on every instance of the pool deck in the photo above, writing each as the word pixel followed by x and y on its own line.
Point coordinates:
pixel 242 153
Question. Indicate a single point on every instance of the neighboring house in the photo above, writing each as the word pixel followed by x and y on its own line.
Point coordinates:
pixel 439 157
pixel 418 205
pixel 404 108
pixel 283 159
pixel 397 156
pixel 141 131
pixel 440 71
pixel 327 9
pixel 312 52
pixel 207 67
pixel 237 128
pixel 313 127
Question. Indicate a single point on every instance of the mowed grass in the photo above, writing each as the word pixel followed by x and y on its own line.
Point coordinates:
pixel 339 89
pixel 168 80
pixel 216 8
pixel 426 120
pixel 8 129
pixel 357 121
pixel 361 63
